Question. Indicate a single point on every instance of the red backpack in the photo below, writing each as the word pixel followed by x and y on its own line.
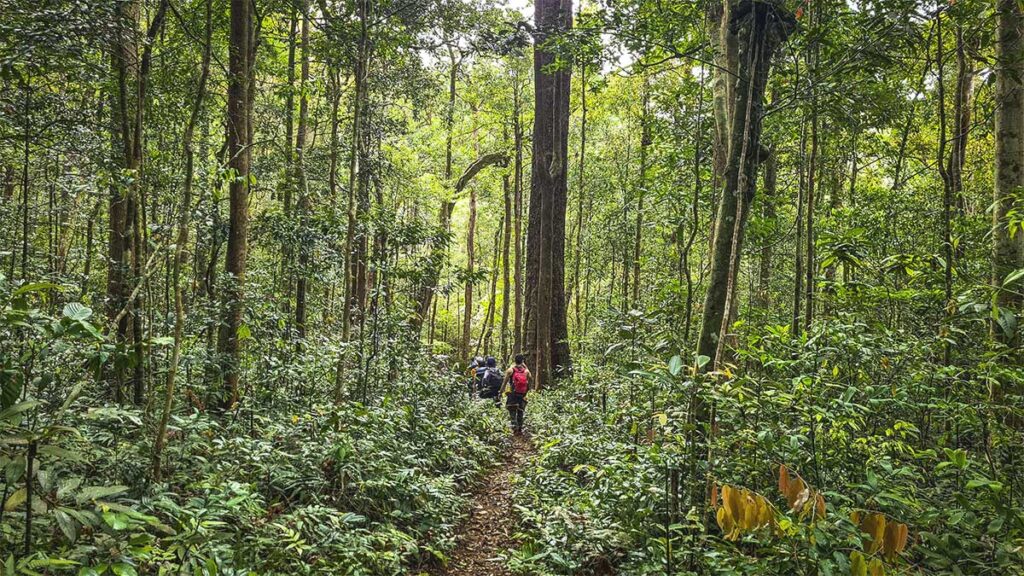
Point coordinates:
pixel 520 383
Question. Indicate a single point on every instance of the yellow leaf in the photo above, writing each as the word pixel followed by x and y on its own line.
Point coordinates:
pixel 876 568
pixel 858 567
pixel 16 499
pixel 783 480
pixel 663 419
pixel 874 526
pixel 819 506
pixel 724 521
pixel 895 540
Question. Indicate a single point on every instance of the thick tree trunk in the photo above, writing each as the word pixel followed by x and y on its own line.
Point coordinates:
pixel 761 27
pixel 1007 249
pixel 546 332
pixel 239 153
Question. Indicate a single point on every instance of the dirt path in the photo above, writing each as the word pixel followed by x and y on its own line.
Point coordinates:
pixel 488 530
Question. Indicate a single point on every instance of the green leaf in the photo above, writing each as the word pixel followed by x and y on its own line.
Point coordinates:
pixel 97 492
pixel 76 311
pixel 123 570
pixel 675 365
pixel 18 409
pixel 702 360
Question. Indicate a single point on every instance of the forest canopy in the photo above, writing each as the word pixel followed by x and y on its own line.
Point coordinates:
pixel 763 259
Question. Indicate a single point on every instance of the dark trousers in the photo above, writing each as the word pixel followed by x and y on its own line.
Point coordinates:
pixel 516 405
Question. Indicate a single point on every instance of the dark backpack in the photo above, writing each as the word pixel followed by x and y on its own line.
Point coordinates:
pixel 490 385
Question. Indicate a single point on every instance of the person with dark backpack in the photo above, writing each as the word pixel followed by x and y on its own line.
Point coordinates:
pixel 490 384
pixel 517 385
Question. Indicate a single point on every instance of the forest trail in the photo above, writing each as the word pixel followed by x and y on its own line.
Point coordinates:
pixel 490 526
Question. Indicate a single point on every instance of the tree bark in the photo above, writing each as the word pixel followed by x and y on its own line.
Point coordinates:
pixel 302 281
pixel 1007 249
pixel 546 331
pixel 506 296
pixel 239 153
pixel 761 27
pixel 180 252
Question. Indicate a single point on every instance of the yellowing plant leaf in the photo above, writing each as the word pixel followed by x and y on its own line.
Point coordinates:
pixel 858 567
pixel 724 520
pixel 783 480
pixel 819 506
pixel 876 568
pixel 16 499
pixel 874 526
pixel 895 540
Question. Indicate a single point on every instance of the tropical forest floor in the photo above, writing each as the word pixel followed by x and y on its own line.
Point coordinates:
pixel 489 529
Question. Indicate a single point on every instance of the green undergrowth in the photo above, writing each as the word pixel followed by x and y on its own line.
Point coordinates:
pixel 866 418
pixel 325 490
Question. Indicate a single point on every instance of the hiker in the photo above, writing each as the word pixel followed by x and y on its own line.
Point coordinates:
pixel 475 373
pixel 490 384
pixel 517 385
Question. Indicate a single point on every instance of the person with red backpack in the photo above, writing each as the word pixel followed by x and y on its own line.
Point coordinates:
pixel 517 386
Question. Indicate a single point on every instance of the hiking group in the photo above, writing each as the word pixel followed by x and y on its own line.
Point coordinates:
pixel 489 383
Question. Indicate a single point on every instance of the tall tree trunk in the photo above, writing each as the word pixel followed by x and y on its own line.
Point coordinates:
pixel 302 281
pixel 771 169
pixel 546 330
pixel 645 144
pixel 180 252
pixel 239 153
pixel 467 318
pixel 288 181
pixel 761 28
pixel 517 187
pixel 506 296
pixel 947 191
pixel 811 270
pixel 961 124
pixel 580 195
pixel 439 245
pixel 698 182
pixel 1007 249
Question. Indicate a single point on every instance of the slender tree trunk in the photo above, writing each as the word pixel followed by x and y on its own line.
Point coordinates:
pixel 439 245
pixel 645 144
pixel 470 271
pixel 506 296
pixel 698 182
pixel 798 274
pixel 1007 249
pixel 517 176
pixel 580 195
pixel 239 153
pixel 301 283
pixel 288 181
pixel 180 253
pixel 771 168
pixel 812 172
pixel 546 331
